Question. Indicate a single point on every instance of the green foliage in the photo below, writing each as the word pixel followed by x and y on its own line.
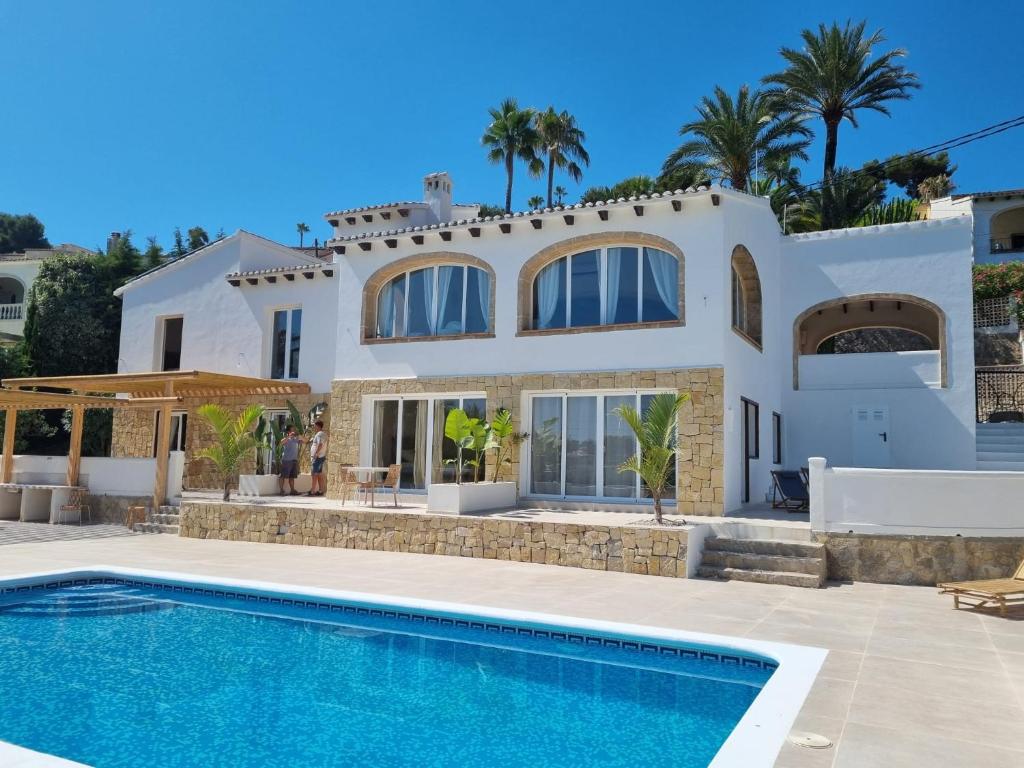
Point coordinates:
pixel 97 430
pixel 560 193
pixel 535 202
pixel 909 172
pixel 490 210
pixel 843 201
pixel 32 428
pixel 179 248
pixel 892 212
pixel 154 255
pixel 18 232
pixel 302 228
pixel 465 432
pixel 732 135
pixel 560 139
pixel 511 136
pixel 197 238
pixel 656 437
pixel 234 439
pixel 501 437
pixel 994 281
pixel 268 445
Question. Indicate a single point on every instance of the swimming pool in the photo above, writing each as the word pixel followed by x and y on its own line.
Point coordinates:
pixel 120 669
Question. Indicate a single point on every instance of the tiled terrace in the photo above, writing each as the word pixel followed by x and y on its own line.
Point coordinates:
pixel 908 681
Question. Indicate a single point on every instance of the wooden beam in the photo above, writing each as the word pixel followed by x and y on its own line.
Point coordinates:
pixel 75 448
pixel 163 451
pixel 10 424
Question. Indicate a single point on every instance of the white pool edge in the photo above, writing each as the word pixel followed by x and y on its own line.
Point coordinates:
pixel 753 743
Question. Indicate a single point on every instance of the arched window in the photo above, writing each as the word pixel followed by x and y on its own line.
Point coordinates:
pixel 606 286
pixel 746 296
pixel 1006 230
pixel 437 300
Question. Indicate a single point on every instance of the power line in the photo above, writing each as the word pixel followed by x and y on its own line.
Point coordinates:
pixel 934 149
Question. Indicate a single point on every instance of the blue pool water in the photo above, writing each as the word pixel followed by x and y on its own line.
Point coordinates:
pixel 135 674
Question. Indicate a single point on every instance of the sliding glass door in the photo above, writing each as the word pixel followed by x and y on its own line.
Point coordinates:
pixel 579 441
pixel 410 432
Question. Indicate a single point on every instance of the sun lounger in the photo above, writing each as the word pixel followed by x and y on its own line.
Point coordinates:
pixel 979 594
pixel 789 491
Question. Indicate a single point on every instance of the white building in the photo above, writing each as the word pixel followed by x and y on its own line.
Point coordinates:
pixel 17 274
pixel 998 219
pixel 564 314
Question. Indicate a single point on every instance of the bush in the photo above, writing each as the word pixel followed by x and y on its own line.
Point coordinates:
pixel 993 281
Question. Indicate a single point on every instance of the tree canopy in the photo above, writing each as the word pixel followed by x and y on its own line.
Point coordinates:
pixel 18 232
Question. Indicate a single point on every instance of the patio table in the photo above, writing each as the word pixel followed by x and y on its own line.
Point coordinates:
pixel 371 473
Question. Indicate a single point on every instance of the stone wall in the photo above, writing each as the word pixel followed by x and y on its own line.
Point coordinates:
pixel 114 509
pixel 652 551
pixel 134 432
pixel 924 560
pixel 700 486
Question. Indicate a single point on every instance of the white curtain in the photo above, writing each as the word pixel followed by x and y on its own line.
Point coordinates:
pixel 548 288
pixel 444 282
pixel 428 302
pixel 386 311
pixel 611 301
pixel 419 457
pixel 483 287
pixel 665 270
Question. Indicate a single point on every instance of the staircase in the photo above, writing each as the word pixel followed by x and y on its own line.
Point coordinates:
pixel 1000 446
pixel 794 563
pixel 167 520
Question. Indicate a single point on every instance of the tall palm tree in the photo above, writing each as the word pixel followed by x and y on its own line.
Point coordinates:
pixel 835 75
pixel 560 193
pixel 302 228
pixel 511 136
pixel 535 202
pixel 562 142
pixel 732 136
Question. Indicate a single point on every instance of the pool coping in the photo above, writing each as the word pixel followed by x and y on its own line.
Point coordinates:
pixel 754 741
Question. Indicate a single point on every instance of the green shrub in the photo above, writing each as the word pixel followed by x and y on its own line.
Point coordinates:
pixel 993 281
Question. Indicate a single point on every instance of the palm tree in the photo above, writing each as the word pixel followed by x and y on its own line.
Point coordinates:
pixel 843 201
pixel 560 192
pixel 562 141
pixel 303 228
pixel 656 437
pixel 511 135
pixel 731 137
pixel 535 202
pixel 835 75
pixel 234 439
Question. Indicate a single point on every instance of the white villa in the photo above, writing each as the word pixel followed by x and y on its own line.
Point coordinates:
pixel 998 221
pixel 561 315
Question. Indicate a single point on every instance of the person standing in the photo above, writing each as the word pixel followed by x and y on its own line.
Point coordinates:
pixel 317 458
pixel 290 445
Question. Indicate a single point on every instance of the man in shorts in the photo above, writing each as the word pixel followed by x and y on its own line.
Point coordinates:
pixel 290 445
pixel 317 459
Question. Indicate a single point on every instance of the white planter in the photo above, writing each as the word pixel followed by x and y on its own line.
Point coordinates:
pixel 267 485
pixel 457 499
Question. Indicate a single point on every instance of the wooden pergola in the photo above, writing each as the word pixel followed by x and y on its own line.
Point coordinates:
pixel 156 391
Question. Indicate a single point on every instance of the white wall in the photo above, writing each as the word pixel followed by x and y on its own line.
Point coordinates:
pixel 102 475
pixel 226 329
pixel 871 370
pixel 907 502
pixel 23 271
pixel 982 210
pixel 930 427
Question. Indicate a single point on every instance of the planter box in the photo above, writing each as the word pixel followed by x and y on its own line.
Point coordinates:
pixel 457 499
pixel 267 485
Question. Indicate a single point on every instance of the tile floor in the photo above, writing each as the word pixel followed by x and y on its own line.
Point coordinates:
pixel 908 682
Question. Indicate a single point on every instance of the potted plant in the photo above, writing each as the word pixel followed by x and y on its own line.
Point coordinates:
pixel 234 440
pixel 476 437
pixel 268 461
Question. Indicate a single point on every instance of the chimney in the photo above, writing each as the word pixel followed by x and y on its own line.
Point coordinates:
pixel 437 193
pixel 113 240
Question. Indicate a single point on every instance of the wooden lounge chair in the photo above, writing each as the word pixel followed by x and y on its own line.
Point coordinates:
pixel 789 491
pixel 979 594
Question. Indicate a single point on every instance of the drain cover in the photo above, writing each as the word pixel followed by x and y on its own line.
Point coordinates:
pixel 810 740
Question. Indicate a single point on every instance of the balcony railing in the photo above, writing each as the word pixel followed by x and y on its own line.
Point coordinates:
pixel 11 311
pixel 1008 244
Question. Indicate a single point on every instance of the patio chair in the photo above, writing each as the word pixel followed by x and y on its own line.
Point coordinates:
pixel 981 593
pixel 391 480
pixel 349 482
pixel 789 491
pixel 75 505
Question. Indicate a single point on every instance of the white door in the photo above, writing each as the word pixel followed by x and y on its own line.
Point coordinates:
pixel 872 438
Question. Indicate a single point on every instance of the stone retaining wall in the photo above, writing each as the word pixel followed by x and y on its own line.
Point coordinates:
pixel 653 551
pixel 113 509
pixel 923 560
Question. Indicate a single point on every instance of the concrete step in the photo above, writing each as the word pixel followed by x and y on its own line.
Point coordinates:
pixel 761 577
pixel 1000 455
pixel 155 528
pixel 1006 446
pixel 1001 466
pixel 751 562
pixel 1001 428
pixel 171 509
pixel 782 548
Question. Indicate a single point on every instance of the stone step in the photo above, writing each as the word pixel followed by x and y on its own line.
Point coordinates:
pixel 1002 427
pixel 1001 466
pixel 752 562
pixel 170 509
pixel 155 528
pixel 1008 444
pixel 761 577
pixel 165 519
pixel 1000 455
pixel 783 548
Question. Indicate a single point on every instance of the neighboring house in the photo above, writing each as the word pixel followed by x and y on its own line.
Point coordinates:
pixel 565 314
pixel 998 222
pixel 17 273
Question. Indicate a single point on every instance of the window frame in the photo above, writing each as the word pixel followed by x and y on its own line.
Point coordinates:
pixel 435 268
pixel 603 302
pixel 161 350
pixel 286 374
pixel 776 437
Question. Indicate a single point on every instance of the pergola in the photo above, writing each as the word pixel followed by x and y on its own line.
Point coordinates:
pixel 156 391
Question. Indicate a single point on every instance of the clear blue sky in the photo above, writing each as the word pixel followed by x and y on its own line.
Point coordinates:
pixel 143 115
